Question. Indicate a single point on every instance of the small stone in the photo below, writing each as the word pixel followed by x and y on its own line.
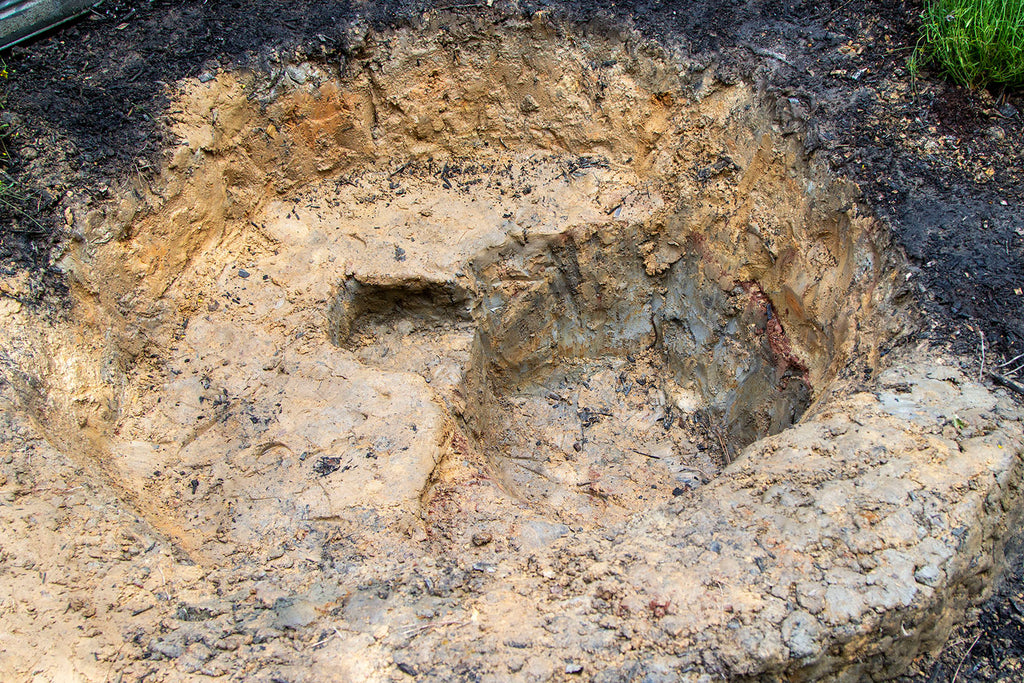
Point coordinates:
pixel 678 491
pixel 715 547
pixel 214 669
pixel 194 657
pixel 843 605
pixel 928 575
pixel 229 643
pixel 399 254
pixel 164 649
pixel 482 539
pixel 674 626
pixel 801 633
pixel 202 611
pixel 266 635
pixel 406 668
pixel 574 668
pixel 293 614
pixel 82 605
pixel 996 133
pixel 243 273
pixel 529 105
pixel 811 596
pixel 296 73
pixel 29 153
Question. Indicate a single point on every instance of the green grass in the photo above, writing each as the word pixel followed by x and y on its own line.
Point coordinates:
pixel 15 196
pixel 7 188
pixel 977 42
pixel 12 196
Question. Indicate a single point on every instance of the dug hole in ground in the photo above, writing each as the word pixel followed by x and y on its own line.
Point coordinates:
pixel 513 355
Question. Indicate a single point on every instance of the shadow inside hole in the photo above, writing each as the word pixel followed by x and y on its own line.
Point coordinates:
pixel 360 308
pixel 717 353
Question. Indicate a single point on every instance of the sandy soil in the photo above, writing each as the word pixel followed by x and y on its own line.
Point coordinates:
pixel 336 344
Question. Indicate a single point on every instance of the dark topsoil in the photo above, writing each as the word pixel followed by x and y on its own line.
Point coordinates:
pixel 942 165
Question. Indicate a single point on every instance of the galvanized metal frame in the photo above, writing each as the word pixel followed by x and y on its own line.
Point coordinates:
pixel 24 19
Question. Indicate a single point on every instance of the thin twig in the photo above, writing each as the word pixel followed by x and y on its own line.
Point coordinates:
pixel 113 662
pixel 530 469
pixel 399 170
pixel 455 7
pixel 981 370
pixel 1005 381
pixel 326 638
pixel 725 448
pixel 771 54
pixel 838 9
pixel 21 212
pixel 1011 361
pixel 13 297
pixel 416 630
pixel 50 489
pixel 691 468
pixel 716 430
pixel 964 658
pixel 520 457
pixel 646 455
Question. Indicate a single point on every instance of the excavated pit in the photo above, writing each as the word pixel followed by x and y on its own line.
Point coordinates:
pixel 593 376
pixel 594 388
pixel 608 390
pixel 516 353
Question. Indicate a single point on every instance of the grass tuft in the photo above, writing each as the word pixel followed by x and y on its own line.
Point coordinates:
pixel 977 42
pixel 7 189
pixel 12 193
